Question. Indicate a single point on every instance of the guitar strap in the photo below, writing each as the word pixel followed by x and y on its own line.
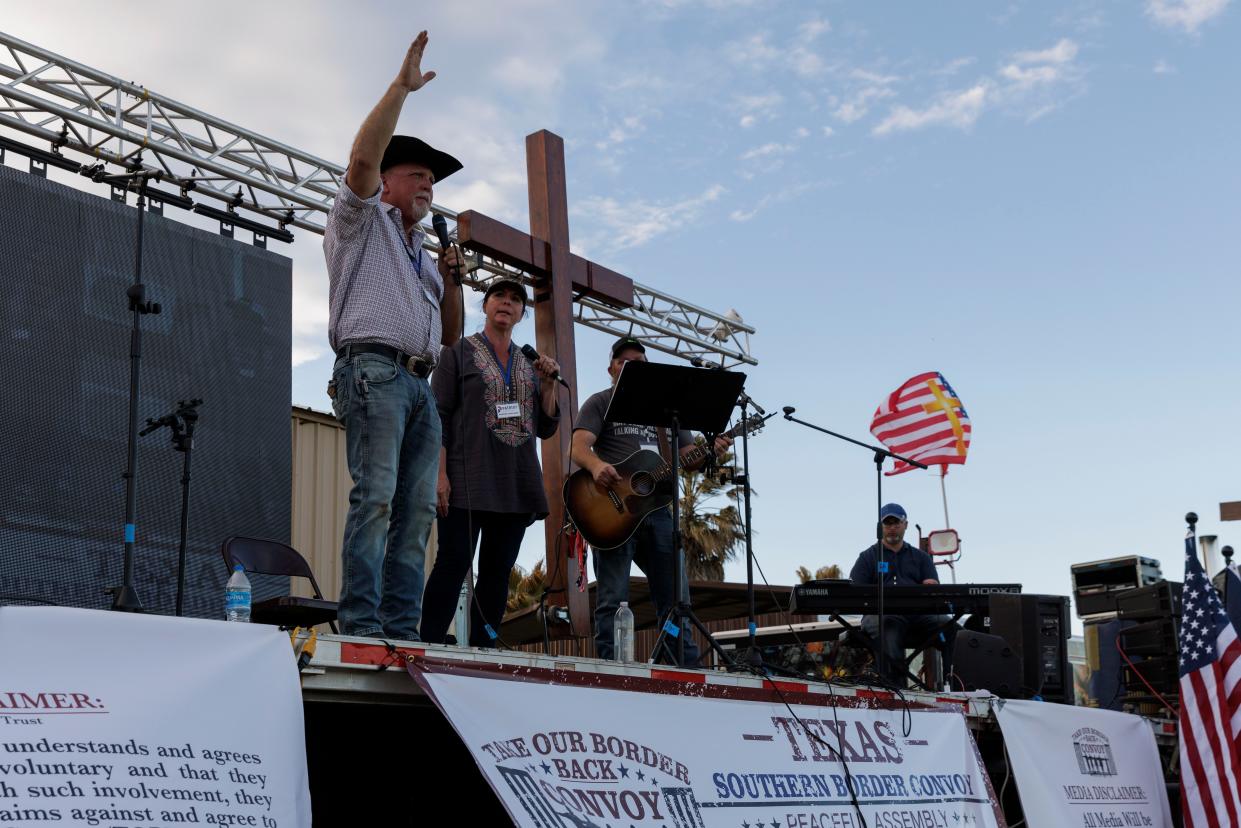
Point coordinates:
pixel 665 445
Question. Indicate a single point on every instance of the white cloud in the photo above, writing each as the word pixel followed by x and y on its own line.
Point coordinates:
pixel 1030 84
pixel 752 103
pixel 754 49
pixel 849 112
pixel 805 62
pixel 1162 67
pixel 856 108
pixel 1184 14
pixel 629 127
pixel 828 132
pixel 632 223
pixel 772 148
pixel 957 109
pixel 801 132
pixel 953 66
pixel 758 52
pixel 743 214
pixel 753 107
pixel 812 28
pixel 868 87
pixel 1063 52
pixel 1044 67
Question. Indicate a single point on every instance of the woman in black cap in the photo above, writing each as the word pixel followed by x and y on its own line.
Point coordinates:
pixel 493 403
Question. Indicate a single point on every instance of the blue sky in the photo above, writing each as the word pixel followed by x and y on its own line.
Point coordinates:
pixel 1038 199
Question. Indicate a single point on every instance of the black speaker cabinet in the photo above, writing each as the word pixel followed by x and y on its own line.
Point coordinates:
pixel 1037 628
pixel 986 662
pixel 1161 599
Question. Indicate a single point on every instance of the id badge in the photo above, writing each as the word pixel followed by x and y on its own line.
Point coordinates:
pixel 508 410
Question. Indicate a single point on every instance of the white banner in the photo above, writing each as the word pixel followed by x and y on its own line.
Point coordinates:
pixel 1077 767
pixel 590 756
pixel 112 719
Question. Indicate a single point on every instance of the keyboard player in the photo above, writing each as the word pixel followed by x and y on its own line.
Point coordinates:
pixel 906 565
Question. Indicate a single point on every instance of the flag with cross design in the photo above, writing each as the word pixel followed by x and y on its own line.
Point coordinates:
pixel 923 420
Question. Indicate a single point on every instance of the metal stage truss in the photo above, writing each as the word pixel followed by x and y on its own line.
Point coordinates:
pixel 114 122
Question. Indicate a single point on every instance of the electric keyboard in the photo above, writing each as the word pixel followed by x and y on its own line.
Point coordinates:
pixel 848 598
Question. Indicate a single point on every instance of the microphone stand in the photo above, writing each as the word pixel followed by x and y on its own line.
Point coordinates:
pixel 182 422
pixel 752 658
pixel 124 597
pixel 880 455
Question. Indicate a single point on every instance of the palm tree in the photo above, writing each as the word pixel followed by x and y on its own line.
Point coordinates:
pixel 525 589
pixel 831 572
pixel 709 535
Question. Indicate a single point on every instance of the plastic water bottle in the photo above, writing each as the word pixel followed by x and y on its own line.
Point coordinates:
pixel 622 633
pixel 237 596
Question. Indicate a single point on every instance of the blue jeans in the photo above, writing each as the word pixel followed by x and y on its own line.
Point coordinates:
pixel 901 631
pixel 651 549
pixel 392 434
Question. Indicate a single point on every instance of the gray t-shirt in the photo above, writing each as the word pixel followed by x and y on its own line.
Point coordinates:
pixel 616 441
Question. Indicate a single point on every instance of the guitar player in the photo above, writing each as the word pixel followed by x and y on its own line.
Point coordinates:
pixel 906 565
pixel 596 446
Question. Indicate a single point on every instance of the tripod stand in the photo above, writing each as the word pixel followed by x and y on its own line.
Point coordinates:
pixel 182 422
pixel 880 455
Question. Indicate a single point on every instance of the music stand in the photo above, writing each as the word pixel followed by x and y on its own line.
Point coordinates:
pixel 675 397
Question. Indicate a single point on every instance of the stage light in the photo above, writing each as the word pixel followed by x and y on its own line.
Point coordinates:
pixel 944 542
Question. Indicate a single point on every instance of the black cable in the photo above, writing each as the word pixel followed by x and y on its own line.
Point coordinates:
pixel 882 685
pixel 469 506
pixel 835 752
pixel 1007 774
pixel 556 551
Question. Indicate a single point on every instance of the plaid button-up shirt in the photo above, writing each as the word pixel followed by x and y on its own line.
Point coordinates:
pixel 383 287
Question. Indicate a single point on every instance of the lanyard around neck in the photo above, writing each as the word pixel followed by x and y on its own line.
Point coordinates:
pixel 506 370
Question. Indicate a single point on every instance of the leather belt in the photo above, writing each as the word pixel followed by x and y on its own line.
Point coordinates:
pixel 419 366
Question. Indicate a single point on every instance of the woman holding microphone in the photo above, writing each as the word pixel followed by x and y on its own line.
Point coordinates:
pixel 493 403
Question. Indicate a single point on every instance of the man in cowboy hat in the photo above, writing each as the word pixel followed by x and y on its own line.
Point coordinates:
pixel 390 310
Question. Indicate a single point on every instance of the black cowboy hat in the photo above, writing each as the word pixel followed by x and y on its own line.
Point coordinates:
pixel 406 149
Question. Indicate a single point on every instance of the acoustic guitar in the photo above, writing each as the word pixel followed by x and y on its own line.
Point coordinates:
pixel 608 517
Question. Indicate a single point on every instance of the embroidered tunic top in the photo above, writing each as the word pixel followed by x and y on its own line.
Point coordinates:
pixel 498 459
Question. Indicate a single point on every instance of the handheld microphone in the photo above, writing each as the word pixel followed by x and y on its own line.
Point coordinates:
pixel 441 231
pixel 699 362
pixel 533 355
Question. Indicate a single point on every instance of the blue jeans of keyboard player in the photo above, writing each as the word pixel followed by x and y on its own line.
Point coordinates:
pixel 651 549
pixel 392 436
pixel 901 631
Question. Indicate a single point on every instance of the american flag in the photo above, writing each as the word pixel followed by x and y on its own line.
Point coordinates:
pixel 925 421
pixel 1210 717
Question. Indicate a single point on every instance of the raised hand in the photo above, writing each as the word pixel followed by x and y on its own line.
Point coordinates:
pixel 411 77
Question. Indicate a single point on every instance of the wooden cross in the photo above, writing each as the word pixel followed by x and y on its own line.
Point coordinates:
pixel 558 276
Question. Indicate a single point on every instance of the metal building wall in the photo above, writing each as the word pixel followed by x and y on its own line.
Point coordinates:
pixel 320 494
